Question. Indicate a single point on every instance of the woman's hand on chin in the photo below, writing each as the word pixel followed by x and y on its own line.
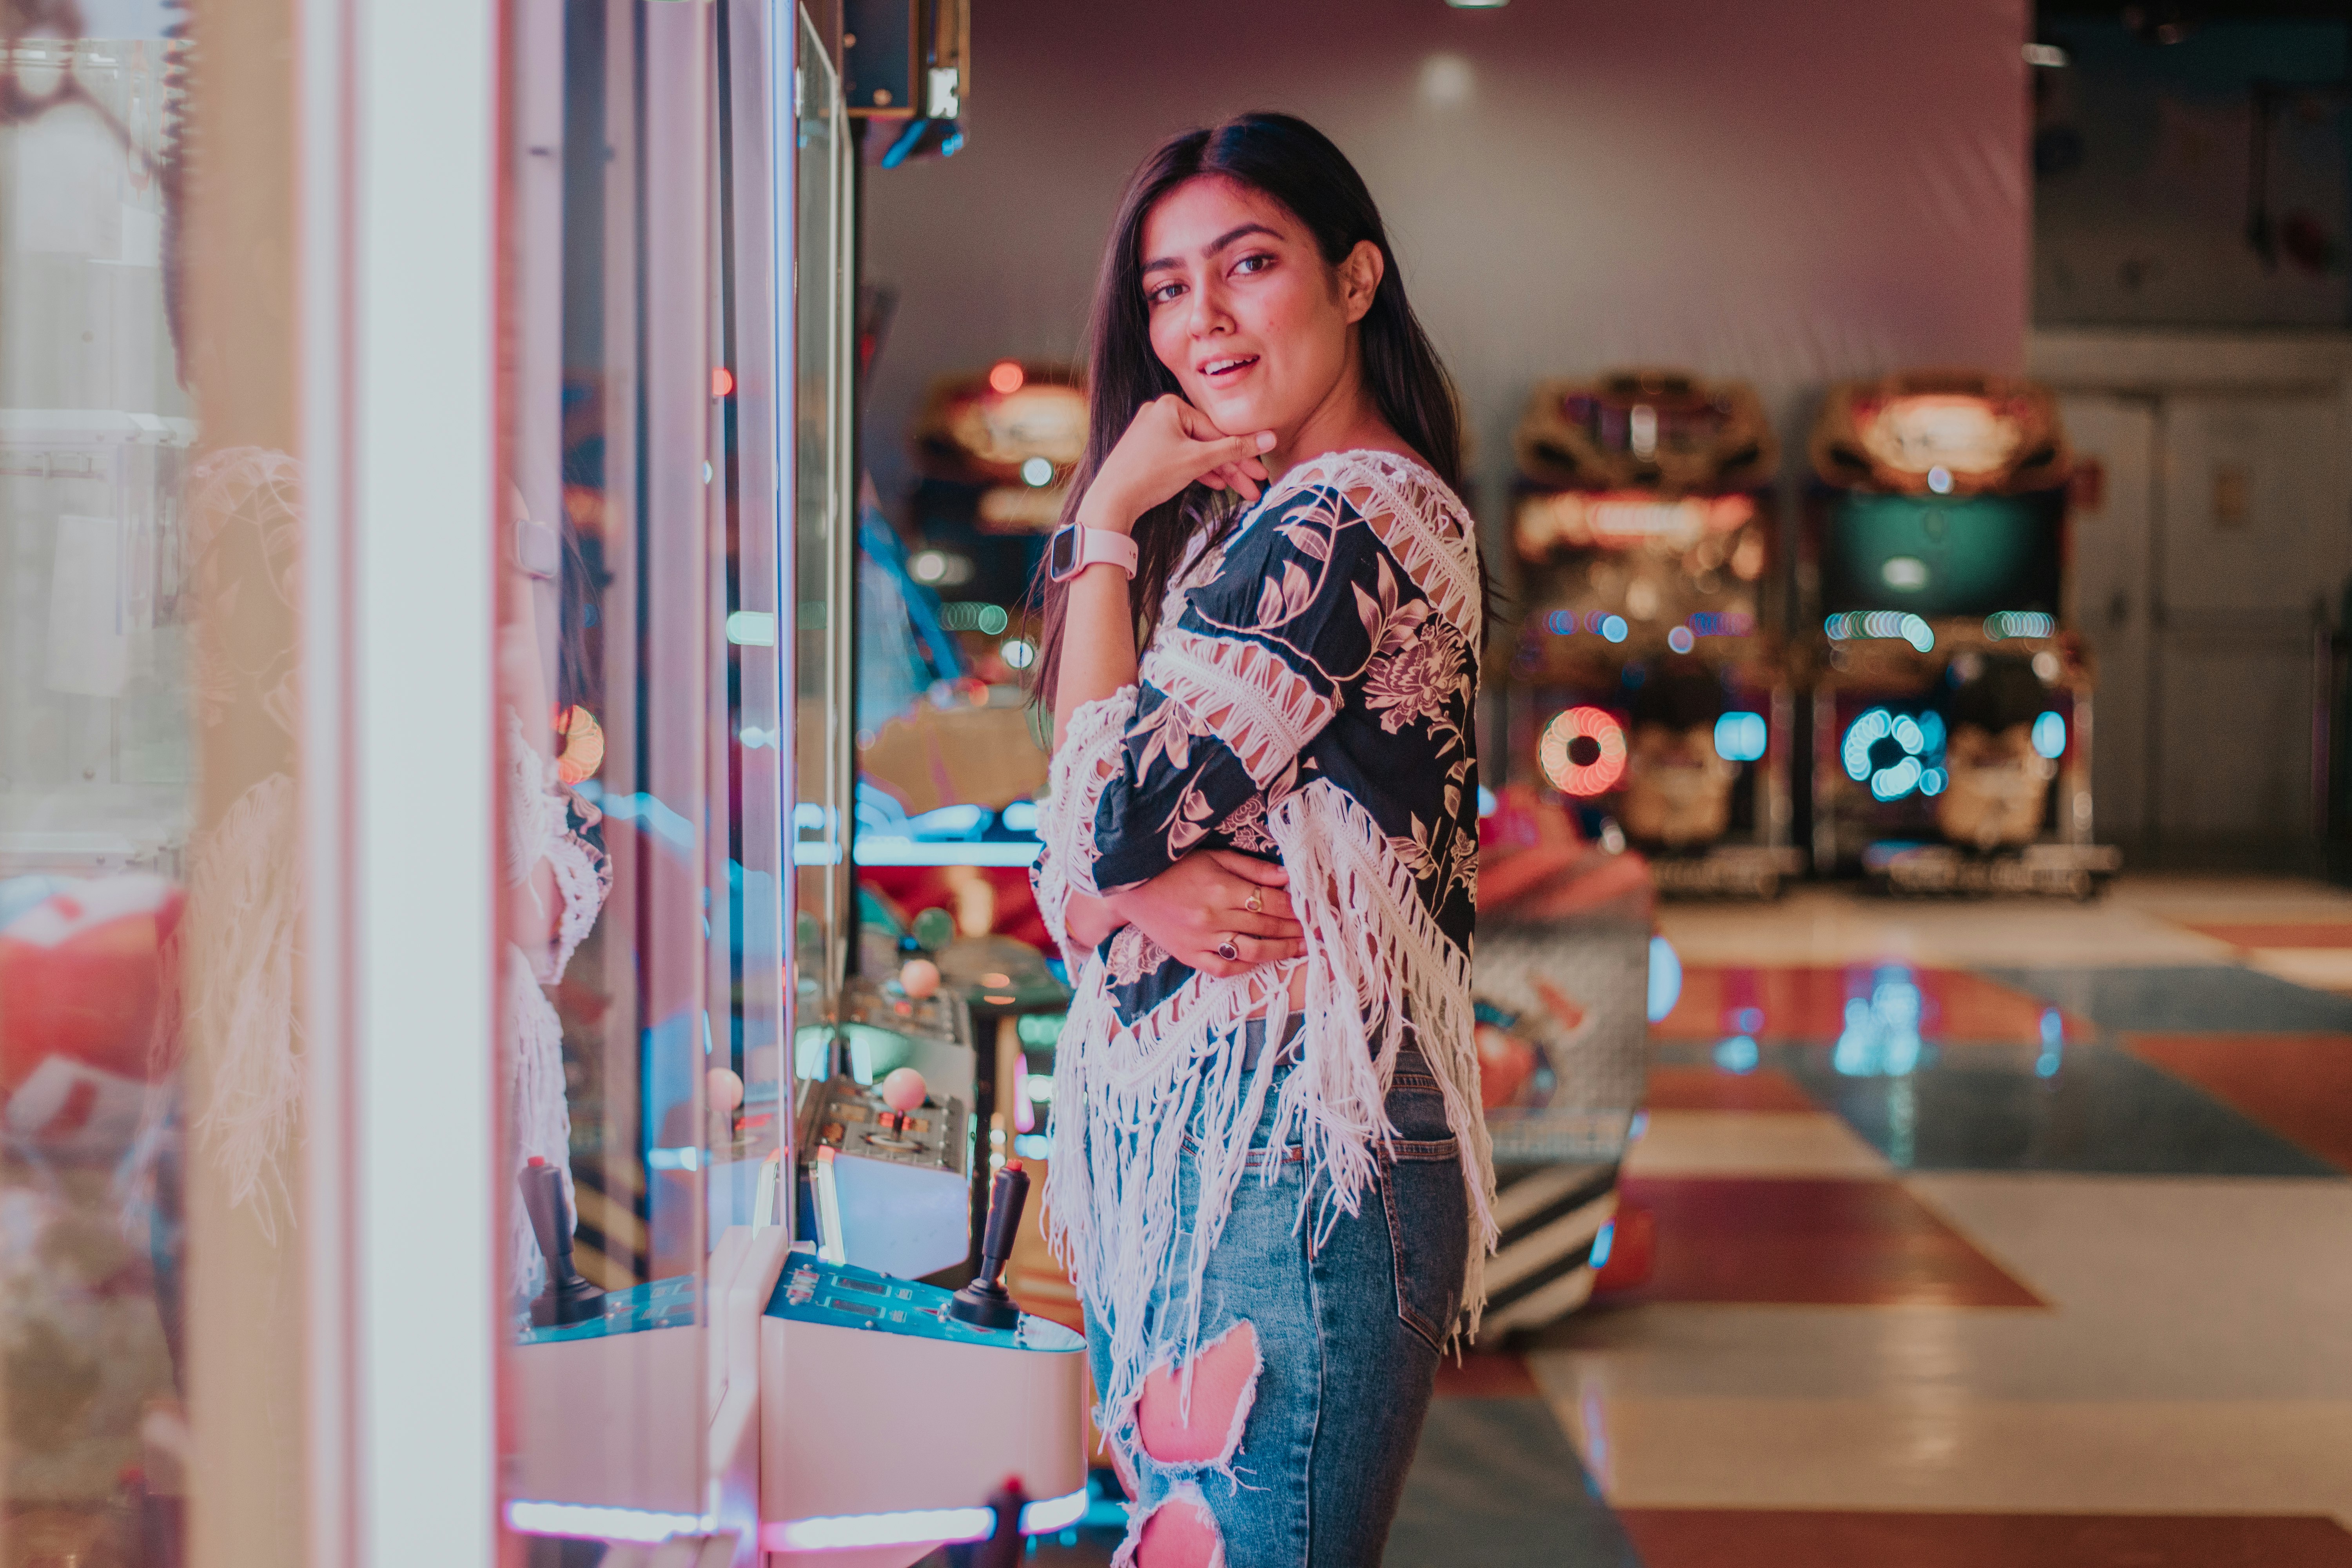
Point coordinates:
pixel 1169 445
pixel 1201 902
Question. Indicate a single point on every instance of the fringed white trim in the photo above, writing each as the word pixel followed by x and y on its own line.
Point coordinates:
pixel 239 938
pixel 1083 767
pixel 585 877
pixel 1378 965
pixel 1124 1098
pixel 1262 708
pixel 542 1119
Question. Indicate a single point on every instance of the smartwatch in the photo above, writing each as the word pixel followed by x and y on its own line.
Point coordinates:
pixel 1073 549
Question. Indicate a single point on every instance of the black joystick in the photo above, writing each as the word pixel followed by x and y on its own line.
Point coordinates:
pixel 567 1297
pixel 985 1303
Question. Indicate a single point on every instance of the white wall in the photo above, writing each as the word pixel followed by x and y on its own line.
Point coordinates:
pixel 1791 191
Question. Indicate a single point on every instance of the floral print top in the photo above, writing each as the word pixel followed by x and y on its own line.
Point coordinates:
pixel 1305 697
pixel 1332 636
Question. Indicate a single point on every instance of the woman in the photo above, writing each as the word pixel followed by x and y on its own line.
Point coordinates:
pixel 1270 1179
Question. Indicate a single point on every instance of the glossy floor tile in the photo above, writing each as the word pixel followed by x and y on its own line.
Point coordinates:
pixel 2326 968
pixel 2092 1108
pixel 1756 1537
pixel 1955 1451
pixel 1690 1087
pixel 2259 1316
pixel 2211 997
pixel 1495 1484
pixel 1485 1374
pixel 2276 934
pixel 2193 1356
pixel 2297 1086
pixel 1804 1240
pixel 1816 1002
pixel 1807 1143
pixel 2226 900
pixel 1836 925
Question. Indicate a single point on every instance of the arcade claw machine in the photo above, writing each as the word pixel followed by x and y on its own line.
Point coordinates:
pixel 1952 715
pixel 732 1157
pixel 424 728
pixel 1647 686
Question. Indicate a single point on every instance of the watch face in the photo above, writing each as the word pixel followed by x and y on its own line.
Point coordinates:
pixel 1062 554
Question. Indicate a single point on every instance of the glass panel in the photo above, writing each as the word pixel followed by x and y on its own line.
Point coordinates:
pixel 151 891
pixel 818 551
pixel 749 1165
pixel 644 902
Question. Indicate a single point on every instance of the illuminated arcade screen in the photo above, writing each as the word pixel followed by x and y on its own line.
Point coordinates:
pixel 1934 555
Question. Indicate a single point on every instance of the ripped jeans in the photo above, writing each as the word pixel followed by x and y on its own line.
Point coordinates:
pixel 1315 1362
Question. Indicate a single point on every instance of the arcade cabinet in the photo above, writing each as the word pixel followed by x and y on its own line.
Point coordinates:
pixel 1647 685
pixel 1952 716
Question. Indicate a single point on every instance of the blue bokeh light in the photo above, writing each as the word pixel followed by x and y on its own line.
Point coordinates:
pixel 1665 978
pixel 1740 737
pixel 2050 736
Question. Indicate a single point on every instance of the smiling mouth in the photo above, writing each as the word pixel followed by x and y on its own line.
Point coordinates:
pixel 1217 368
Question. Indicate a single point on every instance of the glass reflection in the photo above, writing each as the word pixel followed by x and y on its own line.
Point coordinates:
pixel 150 885
pixel 1880 1036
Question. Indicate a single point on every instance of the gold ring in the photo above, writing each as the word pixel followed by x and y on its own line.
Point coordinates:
pixel 1256 903
pixel 1228 951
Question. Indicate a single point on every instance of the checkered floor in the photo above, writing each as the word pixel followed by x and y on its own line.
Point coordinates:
pixel 1986 1234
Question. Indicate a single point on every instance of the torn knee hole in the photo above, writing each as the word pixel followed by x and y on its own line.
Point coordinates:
pixel 1180 1533
pixel 1206 1428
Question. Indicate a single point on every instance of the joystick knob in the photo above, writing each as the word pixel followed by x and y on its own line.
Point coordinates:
pixel 567 1297
pixel 918 978
pixel 904 1090
pixel 985 1303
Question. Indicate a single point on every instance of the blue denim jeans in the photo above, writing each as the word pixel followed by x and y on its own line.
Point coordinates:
pixel 1347 1333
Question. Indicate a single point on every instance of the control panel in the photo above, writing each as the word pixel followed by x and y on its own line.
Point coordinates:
pixel 851 1118
pixel 844 1295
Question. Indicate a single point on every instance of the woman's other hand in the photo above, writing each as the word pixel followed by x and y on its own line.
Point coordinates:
pixel 1202 902
pixel 1169 445
pixel 1089 920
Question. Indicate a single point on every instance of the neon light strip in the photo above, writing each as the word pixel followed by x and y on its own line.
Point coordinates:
pixel 916 1526
pixel 588 1521
pixel 1053 1513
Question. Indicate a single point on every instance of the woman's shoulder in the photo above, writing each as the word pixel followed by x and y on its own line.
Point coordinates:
pixel 1376 480
pixel 1413 514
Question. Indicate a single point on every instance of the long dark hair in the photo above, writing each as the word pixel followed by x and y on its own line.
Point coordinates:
pixel 1287 160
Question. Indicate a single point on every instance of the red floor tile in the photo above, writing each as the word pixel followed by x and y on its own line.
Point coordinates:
pixel 1809 1003
pixel 1712 1088
pixel 2298 1086
pixel 2279 934
pixel 1805 1242
pixel 1486 1375
pixel 1759 1537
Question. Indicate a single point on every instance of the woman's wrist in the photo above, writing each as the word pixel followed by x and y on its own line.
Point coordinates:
pixel 1103 508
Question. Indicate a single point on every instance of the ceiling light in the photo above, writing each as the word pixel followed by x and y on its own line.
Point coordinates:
pixel 2046 55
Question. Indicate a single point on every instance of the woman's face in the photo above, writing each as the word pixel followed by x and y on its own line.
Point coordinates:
pixel 1256 327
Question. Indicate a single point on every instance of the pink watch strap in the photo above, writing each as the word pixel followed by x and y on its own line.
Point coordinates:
pixel 1095 544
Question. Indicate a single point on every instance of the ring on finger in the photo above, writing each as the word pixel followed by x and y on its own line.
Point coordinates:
pixel 1227 950
pixel 1256 903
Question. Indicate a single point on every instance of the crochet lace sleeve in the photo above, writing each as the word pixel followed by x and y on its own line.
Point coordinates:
pixel 1086 762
